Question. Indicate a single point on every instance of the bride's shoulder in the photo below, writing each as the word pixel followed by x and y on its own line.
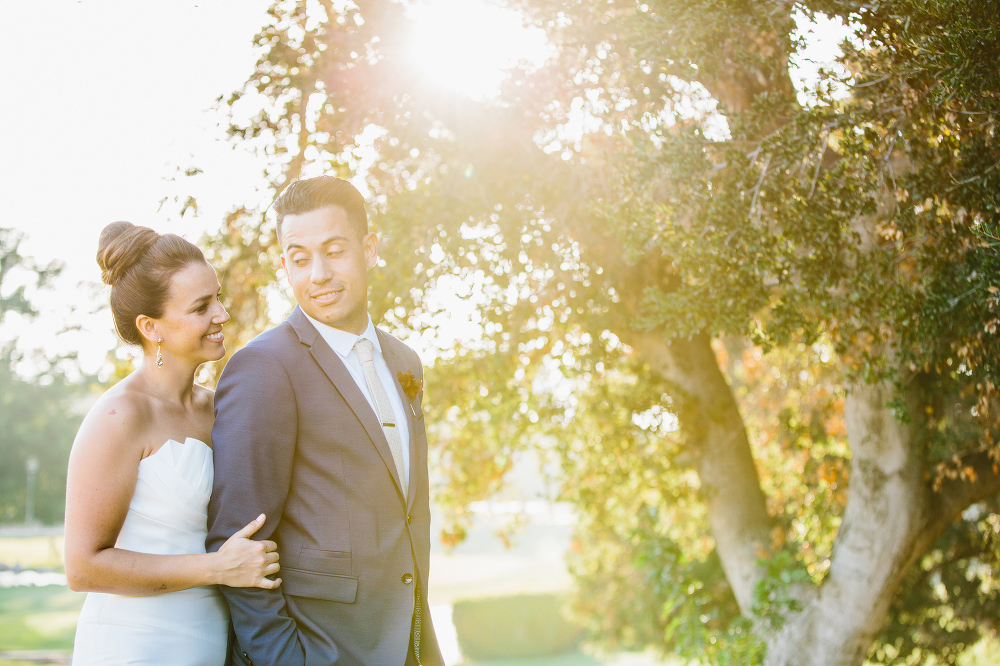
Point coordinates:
pixel 118 418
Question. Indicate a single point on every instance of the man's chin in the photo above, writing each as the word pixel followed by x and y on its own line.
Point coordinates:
pixel 339 320
pixel 327 316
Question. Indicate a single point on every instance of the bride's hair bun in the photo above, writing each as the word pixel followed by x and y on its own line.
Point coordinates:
pixel 122 246
pixel 139 263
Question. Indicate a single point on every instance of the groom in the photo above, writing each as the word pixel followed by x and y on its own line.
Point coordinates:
pixel 319 425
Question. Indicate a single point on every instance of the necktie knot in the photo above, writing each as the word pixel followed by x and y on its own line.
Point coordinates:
pixel 365 350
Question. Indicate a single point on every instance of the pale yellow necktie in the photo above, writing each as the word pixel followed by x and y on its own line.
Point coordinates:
pixel 366 354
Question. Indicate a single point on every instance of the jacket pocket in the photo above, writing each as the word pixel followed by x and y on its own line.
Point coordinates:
pixel 336 562
pixel 317 585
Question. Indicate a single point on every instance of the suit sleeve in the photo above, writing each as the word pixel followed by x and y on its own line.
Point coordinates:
pixel 254 444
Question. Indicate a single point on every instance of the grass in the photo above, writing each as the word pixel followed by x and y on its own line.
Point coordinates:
pixel 44 618
pixel 39 552
pixel 580 659
pixel 38 618
pixel 569 659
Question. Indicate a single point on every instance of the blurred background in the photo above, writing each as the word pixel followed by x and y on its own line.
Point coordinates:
pixel 707 293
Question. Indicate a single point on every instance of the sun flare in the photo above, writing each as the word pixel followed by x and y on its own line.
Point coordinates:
pixel 467 45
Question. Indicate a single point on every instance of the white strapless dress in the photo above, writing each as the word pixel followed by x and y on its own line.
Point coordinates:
pixel 167 515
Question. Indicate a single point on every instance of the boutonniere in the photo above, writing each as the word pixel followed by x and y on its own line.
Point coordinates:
pixel 411 385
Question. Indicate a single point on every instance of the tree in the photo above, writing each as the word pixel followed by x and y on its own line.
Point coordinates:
pixel 627 276
pixel 38 417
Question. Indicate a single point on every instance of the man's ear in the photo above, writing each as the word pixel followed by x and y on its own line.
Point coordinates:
pixel 147 328
pixel 370 242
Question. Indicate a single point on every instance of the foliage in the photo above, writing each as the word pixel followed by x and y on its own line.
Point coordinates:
pixel 794 411
pixel 950 598
pixel 26 275
pixel 647 570
pixel 822 241
pixel 246 268
pixel 39 416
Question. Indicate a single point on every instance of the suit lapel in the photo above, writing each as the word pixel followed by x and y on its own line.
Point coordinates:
pixel 341 378
pixel 396 366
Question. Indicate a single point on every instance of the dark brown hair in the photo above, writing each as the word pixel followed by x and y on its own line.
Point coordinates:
pixel 304 196
pixel 138 263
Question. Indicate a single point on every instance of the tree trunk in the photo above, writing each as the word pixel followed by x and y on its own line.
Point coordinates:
pixel 891 518
pixel 885 520
pixel 888 522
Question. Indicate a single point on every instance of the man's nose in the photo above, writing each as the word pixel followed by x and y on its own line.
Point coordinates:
pixel 320 271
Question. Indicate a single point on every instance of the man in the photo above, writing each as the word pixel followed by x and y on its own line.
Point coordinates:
pixel 319 426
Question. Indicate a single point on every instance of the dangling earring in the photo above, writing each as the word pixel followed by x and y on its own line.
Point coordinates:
pixel 159 356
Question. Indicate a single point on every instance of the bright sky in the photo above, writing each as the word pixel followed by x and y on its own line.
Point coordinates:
pixel 105 100
pixel 466 45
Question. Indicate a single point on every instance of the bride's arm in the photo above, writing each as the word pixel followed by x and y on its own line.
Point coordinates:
pixel 103 468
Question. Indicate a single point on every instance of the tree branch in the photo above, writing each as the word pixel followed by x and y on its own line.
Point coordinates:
pixel 716 435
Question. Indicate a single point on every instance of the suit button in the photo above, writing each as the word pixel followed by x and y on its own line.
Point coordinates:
pixel 409 519
pixel 247 657
pixel 407 578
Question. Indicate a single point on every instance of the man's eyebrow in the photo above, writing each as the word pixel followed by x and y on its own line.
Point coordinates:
pixel 326 241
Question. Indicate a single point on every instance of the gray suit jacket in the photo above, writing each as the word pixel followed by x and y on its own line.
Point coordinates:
pixel 295 438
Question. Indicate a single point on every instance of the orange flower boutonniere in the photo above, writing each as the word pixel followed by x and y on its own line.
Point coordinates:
pixel 411 385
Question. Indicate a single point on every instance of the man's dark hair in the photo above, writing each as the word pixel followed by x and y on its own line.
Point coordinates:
pixel 304 196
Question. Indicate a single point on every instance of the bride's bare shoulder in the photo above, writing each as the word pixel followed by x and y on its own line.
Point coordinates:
pixel 117 420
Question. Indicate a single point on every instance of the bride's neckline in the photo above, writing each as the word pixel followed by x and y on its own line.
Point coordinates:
pixel 171 439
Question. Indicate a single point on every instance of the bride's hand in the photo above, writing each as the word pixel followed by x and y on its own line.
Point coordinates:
pixel 243 562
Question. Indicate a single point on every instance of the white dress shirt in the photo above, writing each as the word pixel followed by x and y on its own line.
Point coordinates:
pixel 343 342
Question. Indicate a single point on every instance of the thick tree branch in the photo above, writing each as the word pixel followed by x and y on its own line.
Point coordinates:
pixel 711 421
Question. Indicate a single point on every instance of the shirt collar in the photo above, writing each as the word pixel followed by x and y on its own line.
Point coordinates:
pixel 343 342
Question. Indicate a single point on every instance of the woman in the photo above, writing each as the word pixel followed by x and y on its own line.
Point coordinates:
pixel 140 471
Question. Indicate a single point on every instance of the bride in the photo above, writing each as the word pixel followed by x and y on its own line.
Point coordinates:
pixel 140 471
